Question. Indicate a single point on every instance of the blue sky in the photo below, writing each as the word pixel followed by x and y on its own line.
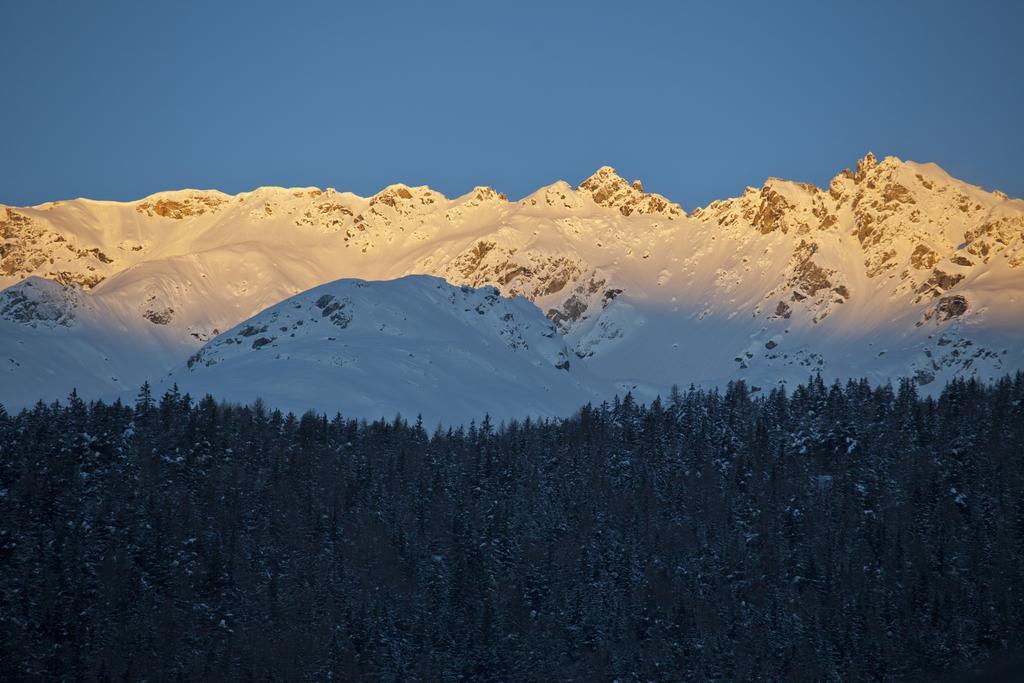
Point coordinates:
pixel 116 100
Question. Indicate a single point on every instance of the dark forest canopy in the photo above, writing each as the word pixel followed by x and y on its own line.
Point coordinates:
pixel 845 532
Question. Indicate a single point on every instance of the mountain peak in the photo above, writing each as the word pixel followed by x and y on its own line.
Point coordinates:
pixel 603 174
pixel 815 271
pixel 396 346
pixel 865 166
pixel 607 188
pixel 400 194
pixel 484 192
pixel 180 204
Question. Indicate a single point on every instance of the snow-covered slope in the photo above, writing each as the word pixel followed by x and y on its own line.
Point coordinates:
pixel 56 337
pixel 895 269
pixel 416 345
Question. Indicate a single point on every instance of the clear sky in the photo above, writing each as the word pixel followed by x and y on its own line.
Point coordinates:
pixel 116 100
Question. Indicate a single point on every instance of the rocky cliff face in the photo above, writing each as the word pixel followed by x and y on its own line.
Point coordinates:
pixel 29 246
pixel 917 231
pixel 36 302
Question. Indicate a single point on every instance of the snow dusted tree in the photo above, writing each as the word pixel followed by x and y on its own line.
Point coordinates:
pixel 844 532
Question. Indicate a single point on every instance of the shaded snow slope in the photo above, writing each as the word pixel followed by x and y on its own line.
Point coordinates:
pixel 416 345
pixel 895 268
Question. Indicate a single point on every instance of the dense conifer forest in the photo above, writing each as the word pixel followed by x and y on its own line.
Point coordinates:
pixel 844 532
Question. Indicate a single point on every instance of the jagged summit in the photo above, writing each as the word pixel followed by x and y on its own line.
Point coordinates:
pixel 607 188
pixel 602 175
pixel 895 267
pixel 865 166
pixel 401 194
pixel 482 193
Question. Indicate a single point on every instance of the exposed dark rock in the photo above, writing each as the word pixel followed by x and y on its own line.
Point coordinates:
pixel 571 311
pixel 161 317
pixel 923 258
pixel 252 330
pixel 771 212
pixel 28 304
pixel 195 205
pixel 923 377
pixel 894 192
pixel 939 282
pixel 952 306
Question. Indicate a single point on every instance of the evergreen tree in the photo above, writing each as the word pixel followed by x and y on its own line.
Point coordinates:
pixel 843 532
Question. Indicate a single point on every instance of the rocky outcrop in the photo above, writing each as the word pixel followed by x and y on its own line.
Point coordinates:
pixel 923 258
pixel 772 212
pixel 162 316
pixel 608 189
pixel 36 302
pixel 31 247
pixel 937 284
pixel 156 309
pixel 336 310
pixel 528 273
pixel 1004 234
pixel 952 306
pixel 182 205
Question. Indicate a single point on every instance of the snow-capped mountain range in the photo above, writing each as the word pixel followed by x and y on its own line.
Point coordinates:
pixel 895 269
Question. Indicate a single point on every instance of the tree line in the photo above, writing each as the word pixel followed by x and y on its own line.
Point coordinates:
pixel 843 532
